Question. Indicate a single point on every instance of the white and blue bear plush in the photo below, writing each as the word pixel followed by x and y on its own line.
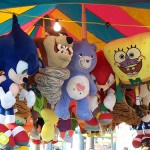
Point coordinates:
pixel 80 84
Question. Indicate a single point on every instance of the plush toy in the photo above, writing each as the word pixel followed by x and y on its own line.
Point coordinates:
pixel 111 112
pixel 123 112
pixel 38 122
pixel 56 52
pixel 105 80
pixel 67 127
pixel 129 59
pixel 43 116
pixel 143 129
pixel 92 127
pixel 22 111
pixel 50 120
pixel 18 59
pixel 80 84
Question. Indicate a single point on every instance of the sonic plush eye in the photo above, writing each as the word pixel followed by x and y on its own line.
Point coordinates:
pixel 22 67
pixel 133 53
pixel 80 55
pixel 24 71
pixel 120 56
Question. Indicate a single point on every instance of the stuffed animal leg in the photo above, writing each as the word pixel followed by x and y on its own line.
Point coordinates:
pixel 138 139
pixel 143 129
pixel 146 130
pixel 92 127
pixel 61 109
pixel 123 112
pixel 83 111
pixel 107 128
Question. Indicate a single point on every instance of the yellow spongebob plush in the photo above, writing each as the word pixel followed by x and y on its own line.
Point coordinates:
pixel 129 58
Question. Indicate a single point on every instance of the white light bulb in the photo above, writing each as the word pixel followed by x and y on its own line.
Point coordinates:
pixel 57 26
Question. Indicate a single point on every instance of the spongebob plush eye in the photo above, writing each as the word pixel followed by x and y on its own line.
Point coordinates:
pixel 133 53
pixel 22 67
pixel 120 56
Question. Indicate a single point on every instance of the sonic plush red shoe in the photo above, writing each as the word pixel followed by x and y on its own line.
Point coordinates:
pixel 138 139
pixel 8 140
pixel 20 136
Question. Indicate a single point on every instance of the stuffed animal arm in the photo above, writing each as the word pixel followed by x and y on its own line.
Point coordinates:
pixel 110 99
pixel 93 102
pixel 30 97
pixel 7 99
pixel 93 88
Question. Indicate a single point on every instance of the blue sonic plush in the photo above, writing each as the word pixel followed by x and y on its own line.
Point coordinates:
pixel 18 60
pixel 80 84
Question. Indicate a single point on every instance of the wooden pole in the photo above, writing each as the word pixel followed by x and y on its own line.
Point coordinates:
pixel 43 29
pixel 84 30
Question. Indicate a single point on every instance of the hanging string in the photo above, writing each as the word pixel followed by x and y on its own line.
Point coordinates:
pixel 76 21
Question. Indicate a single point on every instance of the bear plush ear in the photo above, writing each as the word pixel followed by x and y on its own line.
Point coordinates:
pixel 39 44
pixel 94 47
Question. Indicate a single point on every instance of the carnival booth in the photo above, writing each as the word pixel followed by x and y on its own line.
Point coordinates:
pixel 74 75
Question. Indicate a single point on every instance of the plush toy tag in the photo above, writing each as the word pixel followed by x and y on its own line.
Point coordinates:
pixel 3 138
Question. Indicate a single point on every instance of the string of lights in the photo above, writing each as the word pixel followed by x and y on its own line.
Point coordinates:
pixel 77 21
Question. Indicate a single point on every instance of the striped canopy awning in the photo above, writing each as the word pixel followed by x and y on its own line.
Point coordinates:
pixel 105 22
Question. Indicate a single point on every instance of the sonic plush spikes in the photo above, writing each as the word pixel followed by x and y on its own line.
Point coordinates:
pixel 24 47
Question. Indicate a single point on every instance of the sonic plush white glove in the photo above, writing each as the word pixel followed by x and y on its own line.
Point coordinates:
pixel 30 97
pixel 7 99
